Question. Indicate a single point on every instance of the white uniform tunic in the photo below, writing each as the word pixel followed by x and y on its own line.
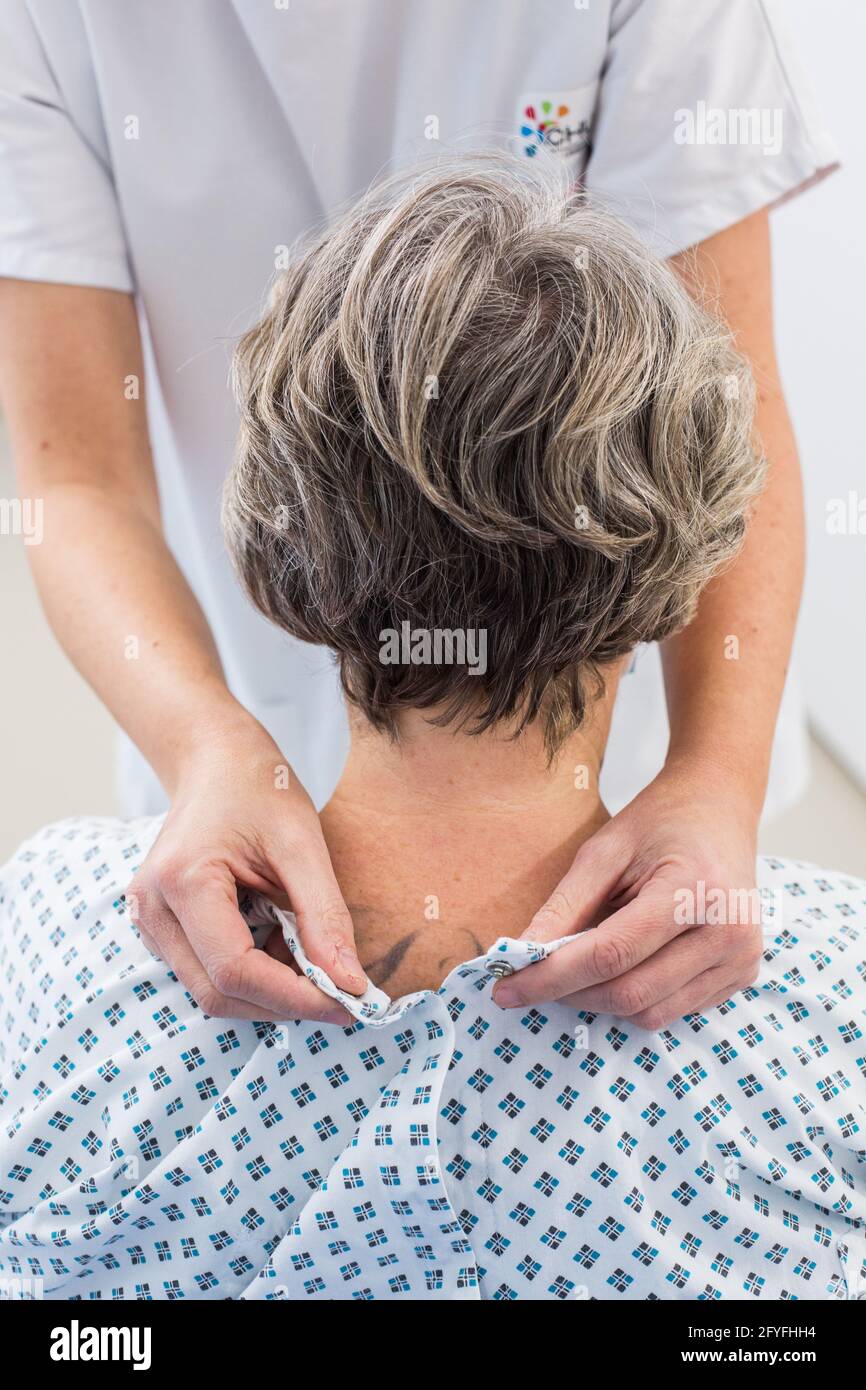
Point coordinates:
pixel 177 149
pixel 441 1147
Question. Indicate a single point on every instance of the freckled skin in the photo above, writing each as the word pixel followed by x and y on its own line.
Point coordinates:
pixel 388 880
pixel 427 892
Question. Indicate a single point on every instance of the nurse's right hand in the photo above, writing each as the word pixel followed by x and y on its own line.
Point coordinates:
pixel 240 816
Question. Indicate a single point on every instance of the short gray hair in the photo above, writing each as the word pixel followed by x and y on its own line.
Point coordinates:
pixel 478 402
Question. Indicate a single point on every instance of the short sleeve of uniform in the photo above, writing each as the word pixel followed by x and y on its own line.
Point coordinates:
pixel 704 117
pixel 59 218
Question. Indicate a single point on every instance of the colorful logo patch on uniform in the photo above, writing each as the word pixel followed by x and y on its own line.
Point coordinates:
pixel 555 121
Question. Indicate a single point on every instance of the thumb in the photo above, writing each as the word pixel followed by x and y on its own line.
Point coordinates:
pixel 324 922
pixel 577 898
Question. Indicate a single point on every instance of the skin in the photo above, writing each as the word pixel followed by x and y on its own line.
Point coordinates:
pixel 446 841
pixel 80 445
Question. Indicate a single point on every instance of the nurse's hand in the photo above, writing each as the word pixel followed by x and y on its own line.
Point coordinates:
pixel 240 816
pixel 645 878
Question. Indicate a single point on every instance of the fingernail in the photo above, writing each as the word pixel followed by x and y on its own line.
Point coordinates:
pixel 350 963
pixel 506 996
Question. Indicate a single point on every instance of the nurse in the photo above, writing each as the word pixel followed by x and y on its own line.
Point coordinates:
pixel 156 163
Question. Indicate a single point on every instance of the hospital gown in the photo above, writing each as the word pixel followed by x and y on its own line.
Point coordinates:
pixel 440 1147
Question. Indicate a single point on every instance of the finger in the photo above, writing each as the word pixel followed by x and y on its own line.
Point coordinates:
pixel 219 938
pixel 670 970
pixel 161 933
pixel 622 941
pixel 576 900
pixel 144 935
pixel 707 991
pixel 324 922
pixel 169 945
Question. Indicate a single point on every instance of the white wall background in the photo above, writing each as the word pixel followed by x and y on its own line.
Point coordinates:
pixel 820 260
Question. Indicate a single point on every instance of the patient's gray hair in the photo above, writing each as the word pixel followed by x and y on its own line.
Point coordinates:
pixel 478 402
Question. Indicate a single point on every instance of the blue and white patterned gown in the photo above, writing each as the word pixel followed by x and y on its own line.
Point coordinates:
pixel 440 1147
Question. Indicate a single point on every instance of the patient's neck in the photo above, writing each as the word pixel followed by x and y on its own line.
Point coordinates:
pixel 444 841
pixel 471 778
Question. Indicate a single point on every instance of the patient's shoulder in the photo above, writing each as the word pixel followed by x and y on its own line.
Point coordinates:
pixel 805 894
pixel 75 864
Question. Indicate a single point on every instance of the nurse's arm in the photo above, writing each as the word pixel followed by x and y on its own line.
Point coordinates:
pixel 725 673
pixel 696 823
pixel 70 359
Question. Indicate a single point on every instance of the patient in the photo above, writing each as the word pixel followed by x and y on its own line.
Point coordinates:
pixel 489 447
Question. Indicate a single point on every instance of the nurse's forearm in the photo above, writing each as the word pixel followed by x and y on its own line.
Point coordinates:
pixel 126 617
pixel 725 673
pixel 111 590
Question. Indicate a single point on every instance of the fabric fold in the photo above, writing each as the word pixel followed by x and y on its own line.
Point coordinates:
pixel 374 1007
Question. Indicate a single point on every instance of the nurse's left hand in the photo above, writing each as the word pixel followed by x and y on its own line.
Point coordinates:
pixel 669 885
